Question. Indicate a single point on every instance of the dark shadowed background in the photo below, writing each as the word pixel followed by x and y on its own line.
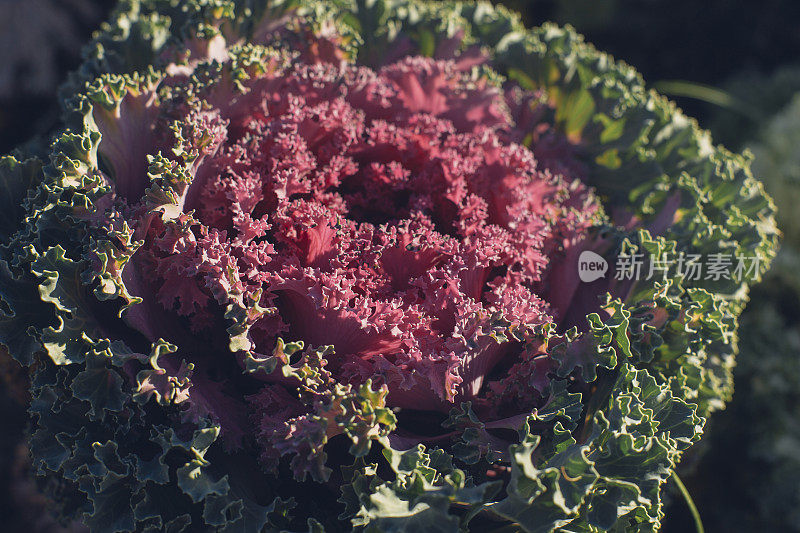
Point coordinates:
pixel 734 65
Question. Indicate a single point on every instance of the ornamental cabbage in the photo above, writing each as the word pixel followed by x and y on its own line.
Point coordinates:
pixel 317 266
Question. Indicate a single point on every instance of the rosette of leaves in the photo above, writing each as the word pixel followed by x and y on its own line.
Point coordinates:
pixel 314 266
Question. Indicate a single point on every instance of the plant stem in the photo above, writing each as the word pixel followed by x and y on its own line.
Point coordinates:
pixel 698 523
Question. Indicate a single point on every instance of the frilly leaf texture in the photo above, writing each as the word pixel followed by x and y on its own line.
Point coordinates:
pixel 141 424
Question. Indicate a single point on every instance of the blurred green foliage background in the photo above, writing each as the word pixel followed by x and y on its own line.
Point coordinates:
pixel 739 63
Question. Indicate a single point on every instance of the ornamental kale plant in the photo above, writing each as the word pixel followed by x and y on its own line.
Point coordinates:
pixel 315 266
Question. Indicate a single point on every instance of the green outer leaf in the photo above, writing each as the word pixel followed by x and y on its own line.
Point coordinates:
pixel 17 180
